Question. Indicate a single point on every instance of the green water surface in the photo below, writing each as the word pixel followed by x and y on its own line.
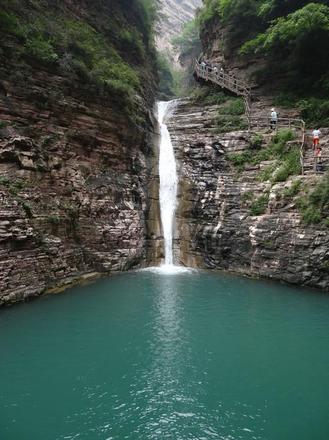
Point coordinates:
pixel 183 357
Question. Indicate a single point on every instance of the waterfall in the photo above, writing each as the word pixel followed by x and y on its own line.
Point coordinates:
pixel 167 193
pixel 168 183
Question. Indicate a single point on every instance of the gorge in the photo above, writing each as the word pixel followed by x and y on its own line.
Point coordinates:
pixel 79 182
pixel 179 249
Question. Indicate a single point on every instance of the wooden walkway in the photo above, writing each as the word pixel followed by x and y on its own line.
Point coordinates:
pixel 240 88
pixel 223 79
pixel 226 81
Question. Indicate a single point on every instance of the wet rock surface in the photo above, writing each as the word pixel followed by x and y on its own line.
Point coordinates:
pixel 215 227
pixel 75 185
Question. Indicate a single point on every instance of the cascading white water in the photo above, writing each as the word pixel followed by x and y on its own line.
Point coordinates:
pixel 168 182
pixel 167 193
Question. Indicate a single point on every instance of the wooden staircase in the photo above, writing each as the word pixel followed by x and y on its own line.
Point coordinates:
pixel 311 165
pixel 226 81
pixel 240 88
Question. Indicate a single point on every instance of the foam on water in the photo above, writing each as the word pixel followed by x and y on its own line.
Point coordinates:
pixel 169 269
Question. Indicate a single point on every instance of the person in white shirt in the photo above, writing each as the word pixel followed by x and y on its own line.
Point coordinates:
pixel 317 149
pixel 316 137
pixel 273 119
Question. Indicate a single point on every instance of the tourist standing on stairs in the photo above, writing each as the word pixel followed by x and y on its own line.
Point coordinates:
pixel 316 137
pixel 317 149
pixel 273 119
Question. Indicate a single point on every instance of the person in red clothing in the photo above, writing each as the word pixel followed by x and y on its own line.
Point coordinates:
pixel 316 137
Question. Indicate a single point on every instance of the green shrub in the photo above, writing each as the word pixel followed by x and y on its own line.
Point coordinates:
pixel 104 57
pixel 287 160
pixel 315 111
pixel 118 77
pixel 81 70
pixel 226 124
pixel 261 156
pixel 256 142
pixel 315 205
pixel 209 10
pixel 258 206
pixel 94 60
pixel 312 216
pixel 188 40
pixel 131 41
pixel 40 49
pixel 240 159
pixel 9 23
pixel 267 173
pixel 293 189
pixel 53 219
pixel 166 78
pixel 208 96
pixel 4 181
pixel 281 32
pixel 248 195
pixel 27 208
pixel 13 186
pixel 148 13
pixel 283 136
pixel 291 30
pixel 233 107
pixel 290 166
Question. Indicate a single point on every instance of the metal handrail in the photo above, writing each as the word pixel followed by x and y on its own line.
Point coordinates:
pixel 223 79
pixel 240 88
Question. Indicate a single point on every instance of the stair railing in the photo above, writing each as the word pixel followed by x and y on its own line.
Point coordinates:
pixel 240 88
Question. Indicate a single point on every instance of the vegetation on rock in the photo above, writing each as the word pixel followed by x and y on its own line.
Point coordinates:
pixel 110 54
pixel 285 157
pixel 292 37
pixel 314 206
pixel 189 38
pixel 259 205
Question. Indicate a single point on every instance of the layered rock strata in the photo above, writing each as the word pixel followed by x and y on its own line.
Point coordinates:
pixel 173 14
pixel 215 226
pixel 76 174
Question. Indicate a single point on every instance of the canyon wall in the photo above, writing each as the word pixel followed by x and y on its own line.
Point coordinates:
pixel 233 213
pixel 216 225
pixel 76 149
pixel 173 14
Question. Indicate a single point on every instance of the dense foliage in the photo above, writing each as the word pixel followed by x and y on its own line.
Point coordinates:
pixel 173 80
pixel 189 38
pixel 292 36
pixel 166 76
pixel 314 206
pixel 108 51
pixel 284 156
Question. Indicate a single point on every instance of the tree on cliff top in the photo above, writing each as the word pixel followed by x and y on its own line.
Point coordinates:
pixel 292 36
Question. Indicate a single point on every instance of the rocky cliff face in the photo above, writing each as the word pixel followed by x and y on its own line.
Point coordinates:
pixel 173 14
pixel 215 226
pixel 75 167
